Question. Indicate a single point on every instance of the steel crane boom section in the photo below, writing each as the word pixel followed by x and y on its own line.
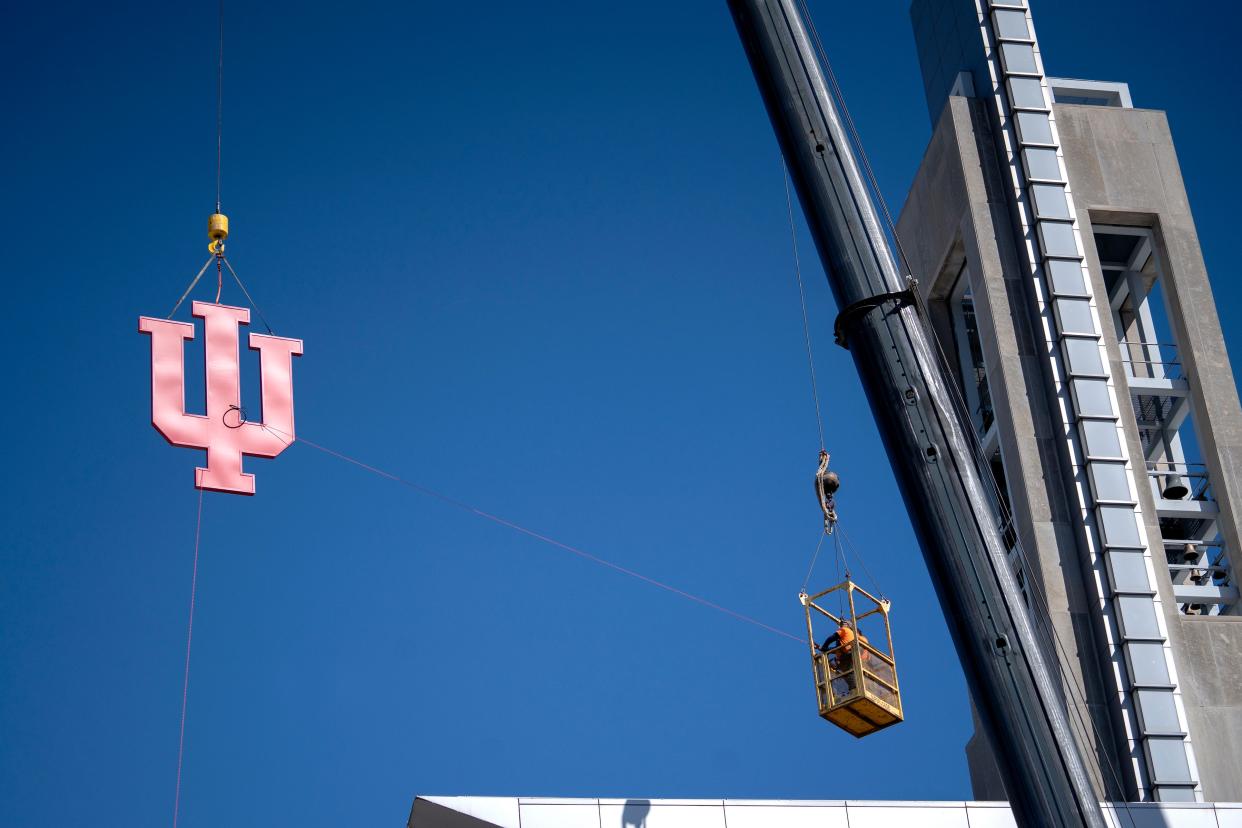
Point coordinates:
pixel 942 480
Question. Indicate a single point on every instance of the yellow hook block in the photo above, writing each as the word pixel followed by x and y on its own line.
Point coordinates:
pixel 217 231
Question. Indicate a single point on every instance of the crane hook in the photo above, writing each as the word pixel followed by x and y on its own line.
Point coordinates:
pixel 826 485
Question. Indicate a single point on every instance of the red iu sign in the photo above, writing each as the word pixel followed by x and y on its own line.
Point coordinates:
pixel 224 432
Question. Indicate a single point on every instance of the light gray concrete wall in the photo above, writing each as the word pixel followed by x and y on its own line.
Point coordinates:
pixel 958 207
pixel 1123 169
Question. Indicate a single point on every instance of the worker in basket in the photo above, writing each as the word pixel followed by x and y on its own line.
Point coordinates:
pixel 839 648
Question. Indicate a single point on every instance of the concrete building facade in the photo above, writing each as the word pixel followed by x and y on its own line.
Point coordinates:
pixel 1052 238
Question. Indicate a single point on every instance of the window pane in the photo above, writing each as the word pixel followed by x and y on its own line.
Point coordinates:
pixel 1083 356
pixel 1157 711
pixel 1147 664
pixel 1034 128
pixel 1066 276
pixel 1074 316
pixel 1027 93
pixel 1168 759
pixel 1110 481
pixel 1018 57
pixel 1091 397
pixel 1120 525
pixel 1138 616
pixel 1041 162
pixel 1012 24
pixel 1058 239
pixel 1128 571
pixel 1101 438
pixel 1050 201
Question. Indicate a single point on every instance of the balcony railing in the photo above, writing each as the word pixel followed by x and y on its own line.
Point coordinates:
pixel 1203 580
pixel 1151 360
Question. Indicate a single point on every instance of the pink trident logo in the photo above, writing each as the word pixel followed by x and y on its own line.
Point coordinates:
pixel 224 432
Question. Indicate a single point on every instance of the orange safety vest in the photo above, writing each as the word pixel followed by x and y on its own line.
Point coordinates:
pixel 846 637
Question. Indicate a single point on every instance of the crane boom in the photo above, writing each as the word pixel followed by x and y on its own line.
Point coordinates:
pixel 941 476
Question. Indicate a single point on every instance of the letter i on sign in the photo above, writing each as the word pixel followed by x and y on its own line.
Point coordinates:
pixel 223 432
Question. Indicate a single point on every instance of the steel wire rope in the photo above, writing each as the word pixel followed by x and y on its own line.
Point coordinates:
pixel 219 100
pixel 189 639
pixel 193 282
pixel 960 523
pixel 879 195
pixel 956 396
pixel 854 136
pixel 253 304
pixel 861 561
pixel 878 254
pixel 1086 723
pixel 806 324
pixel 897 243
pixel 992 488
pixel 1025 567
pixel 849 197
pixel 1043 619
pixel 841 566
pixel 814 558
pixel 539 536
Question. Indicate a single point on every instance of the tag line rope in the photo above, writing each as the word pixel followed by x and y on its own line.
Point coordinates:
pixel 516 527
pixel 189 639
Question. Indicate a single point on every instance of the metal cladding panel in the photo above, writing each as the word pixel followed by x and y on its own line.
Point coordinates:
pixel 990 815
pixel 785 816
pixel 710 814
pixel 923 814
pixel 562 815
pixel 1228 816
pixel 503 812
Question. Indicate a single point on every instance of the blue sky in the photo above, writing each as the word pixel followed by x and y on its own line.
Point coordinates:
pixel 540 261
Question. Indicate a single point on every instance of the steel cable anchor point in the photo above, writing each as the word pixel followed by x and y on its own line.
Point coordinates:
pixel 241 416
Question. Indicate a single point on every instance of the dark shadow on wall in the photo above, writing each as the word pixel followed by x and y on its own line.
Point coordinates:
pixel 634 815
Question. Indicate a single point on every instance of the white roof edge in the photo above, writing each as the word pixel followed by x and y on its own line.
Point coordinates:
pixel 1119 88
pixel 456 802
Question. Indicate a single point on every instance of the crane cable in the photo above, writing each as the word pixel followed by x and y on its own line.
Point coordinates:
pixel 219 100
pixel 810 361
pixel 838 548
pixel 218 256
pixel 1024 565
pixel 218 246
pixel 806 324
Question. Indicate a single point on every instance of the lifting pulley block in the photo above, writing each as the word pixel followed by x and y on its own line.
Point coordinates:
pixel 852 313
pixel 217 231
pixel 826 485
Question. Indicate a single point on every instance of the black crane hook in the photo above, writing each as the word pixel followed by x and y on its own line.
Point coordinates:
pixel 826 485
